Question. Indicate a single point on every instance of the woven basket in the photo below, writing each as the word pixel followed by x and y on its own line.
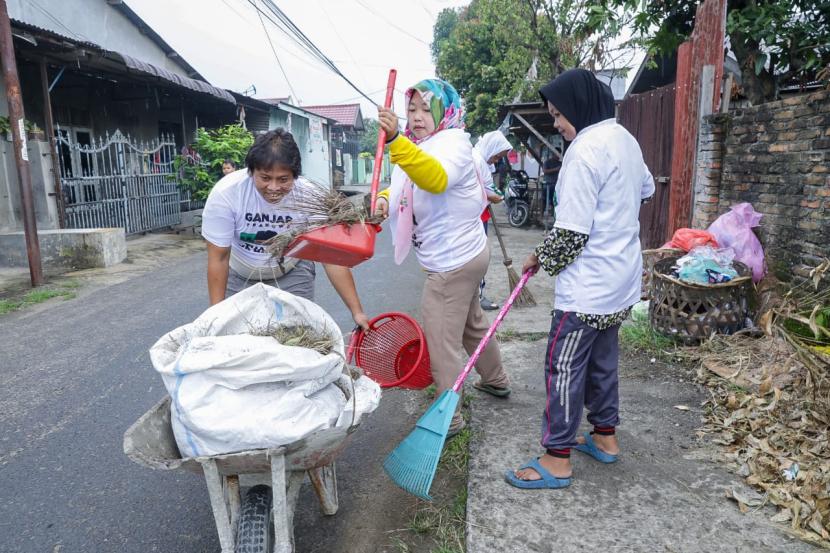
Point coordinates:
pixel 692 312
pixel 650 257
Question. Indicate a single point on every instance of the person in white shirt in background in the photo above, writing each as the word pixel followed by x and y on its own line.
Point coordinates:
pixel 491 147
pixel 250 206
pixel 594 252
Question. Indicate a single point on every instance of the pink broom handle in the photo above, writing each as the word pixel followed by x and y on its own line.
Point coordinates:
pixel 490 331
pixel 390 89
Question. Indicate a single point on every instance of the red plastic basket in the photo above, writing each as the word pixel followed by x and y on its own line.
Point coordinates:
pixel 394 352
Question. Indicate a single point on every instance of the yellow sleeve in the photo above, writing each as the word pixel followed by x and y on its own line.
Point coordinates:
pixel 424 170
pixel 384 194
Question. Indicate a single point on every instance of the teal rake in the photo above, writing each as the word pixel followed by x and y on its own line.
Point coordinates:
pixel 413 463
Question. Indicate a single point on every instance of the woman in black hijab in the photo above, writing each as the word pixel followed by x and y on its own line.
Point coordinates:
pixel 577 95
pixel 594 253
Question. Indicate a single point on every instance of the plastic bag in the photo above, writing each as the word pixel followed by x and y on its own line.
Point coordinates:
pixel 734 230
pixel 687 239
pixel 234 391
pixel 706 265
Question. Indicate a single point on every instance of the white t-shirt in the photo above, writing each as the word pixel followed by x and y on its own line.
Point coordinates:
pixel 484 172
pixel 601 184
pixel 237 216
pixel 448 230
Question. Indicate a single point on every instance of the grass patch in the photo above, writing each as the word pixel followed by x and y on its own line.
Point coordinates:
pixel 442 522
pixel 456 454
pixel 39 295
pixel 439 526
pixel 510 335
pixel 637 335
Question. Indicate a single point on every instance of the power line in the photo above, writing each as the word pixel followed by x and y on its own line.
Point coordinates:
pixel 274 50
pixel 358 97
pixel 343 42
pixel 390 22
pixel 287 26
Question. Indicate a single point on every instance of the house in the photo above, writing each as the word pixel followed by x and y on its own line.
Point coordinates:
pixel 346 133
pixel 313 134
pixel 118 101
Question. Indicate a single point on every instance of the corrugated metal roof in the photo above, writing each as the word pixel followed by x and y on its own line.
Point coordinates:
pixel 186 82
pixel 276 101
pixel 135 64
pixel 347 115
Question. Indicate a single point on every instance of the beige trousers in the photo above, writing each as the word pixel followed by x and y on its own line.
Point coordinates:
pixel 453 317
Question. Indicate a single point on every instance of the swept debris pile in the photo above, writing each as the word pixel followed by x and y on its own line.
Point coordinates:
pixel 299 335
pixel 770 408
pixel 322 207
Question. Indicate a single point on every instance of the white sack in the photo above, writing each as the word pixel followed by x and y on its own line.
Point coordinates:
pixel 232 391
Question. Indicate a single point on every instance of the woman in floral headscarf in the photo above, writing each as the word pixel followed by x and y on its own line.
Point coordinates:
pixel 434 204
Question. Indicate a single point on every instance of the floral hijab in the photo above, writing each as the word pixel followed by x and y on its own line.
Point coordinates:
pixel 444 103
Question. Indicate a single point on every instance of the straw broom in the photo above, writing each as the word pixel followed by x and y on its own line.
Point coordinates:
pixel 322 207
pixel 525 298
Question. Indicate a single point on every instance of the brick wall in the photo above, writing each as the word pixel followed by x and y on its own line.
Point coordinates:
pixel 777 157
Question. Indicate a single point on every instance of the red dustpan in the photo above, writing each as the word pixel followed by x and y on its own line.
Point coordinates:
pixel 343 244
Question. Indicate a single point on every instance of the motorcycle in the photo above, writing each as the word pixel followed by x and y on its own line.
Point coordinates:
pixel 517 198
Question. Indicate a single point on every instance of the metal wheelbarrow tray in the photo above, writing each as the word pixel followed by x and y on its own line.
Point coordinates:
pixel 244 525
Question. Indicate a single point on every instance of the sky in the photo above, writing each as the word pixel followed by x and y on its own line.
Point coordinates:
pixel 225 41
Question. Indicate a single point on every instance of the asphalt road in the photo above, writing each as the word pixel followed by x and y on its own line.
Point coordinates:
pixel 77 374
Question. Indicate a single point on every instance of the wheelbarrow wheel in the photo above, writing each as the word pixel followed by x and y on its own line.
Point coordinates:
pixel 256 533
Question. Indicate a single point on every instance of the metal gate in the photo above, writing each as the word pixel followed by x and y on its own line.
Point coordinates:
pixel 650 118
pixel 117 182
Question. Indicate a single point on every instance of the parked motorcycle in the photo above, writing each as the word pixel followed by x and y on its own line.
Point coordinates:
pixel 517 198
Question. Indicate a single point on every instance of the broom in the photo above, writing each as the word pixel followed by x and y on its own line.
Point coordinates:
pixel 413 463
pixel 525 298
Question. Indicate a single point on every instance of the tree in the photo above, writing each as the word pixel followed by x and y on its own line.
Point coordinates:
pixel 774 41
pixel 501 51
pixel 369 140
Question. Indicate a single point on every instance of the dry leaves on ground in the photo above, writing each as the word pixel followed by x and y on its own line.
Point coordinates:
pixel 770 409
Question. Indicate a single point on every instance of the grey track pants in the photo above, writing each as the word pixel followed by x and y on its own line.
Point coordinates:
pixel 580 369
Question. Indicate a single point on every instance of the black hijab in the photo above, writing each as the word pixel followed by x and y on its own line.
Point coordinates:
pixel 580 97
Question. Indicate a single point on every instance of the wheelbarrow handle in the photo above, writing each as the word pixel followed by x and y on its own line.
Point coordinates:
pixel 390 90
pixel 356 332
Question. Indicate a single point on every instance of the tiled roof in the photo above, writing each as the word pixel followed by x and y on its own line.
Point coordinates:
pixel 347 115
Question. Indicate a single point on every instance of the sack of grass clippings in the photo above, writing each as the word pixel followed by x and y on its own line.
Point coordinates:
pixel 260 369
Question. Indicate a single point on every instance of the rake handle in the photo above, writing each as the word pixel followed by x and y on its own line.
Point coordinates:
pixel 492 330
pixel 507 261
pixel 390 90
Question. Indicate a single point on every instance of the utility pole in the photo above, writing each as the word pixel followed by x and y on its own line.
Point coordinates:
pixel 21 154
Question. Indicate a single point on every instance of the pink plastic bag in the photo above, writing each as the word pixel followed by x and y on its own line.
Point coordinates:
pixel 734 230
pixel 687 239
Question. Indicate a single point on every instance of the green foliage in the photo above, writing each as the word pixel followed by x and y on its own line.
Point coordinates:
pixel 199 174
pixel 500 51
pixel 5 126
pixel 638 335
pixel 773 41
pixel 369 140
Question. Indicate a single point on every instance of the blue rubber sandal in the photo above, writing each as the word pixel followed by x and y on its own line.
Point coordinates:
pixel 547 481
pixel 590 448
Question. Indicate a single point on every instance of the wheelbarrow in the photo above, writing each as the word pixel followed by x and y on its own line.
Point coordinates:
pixel 262 522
